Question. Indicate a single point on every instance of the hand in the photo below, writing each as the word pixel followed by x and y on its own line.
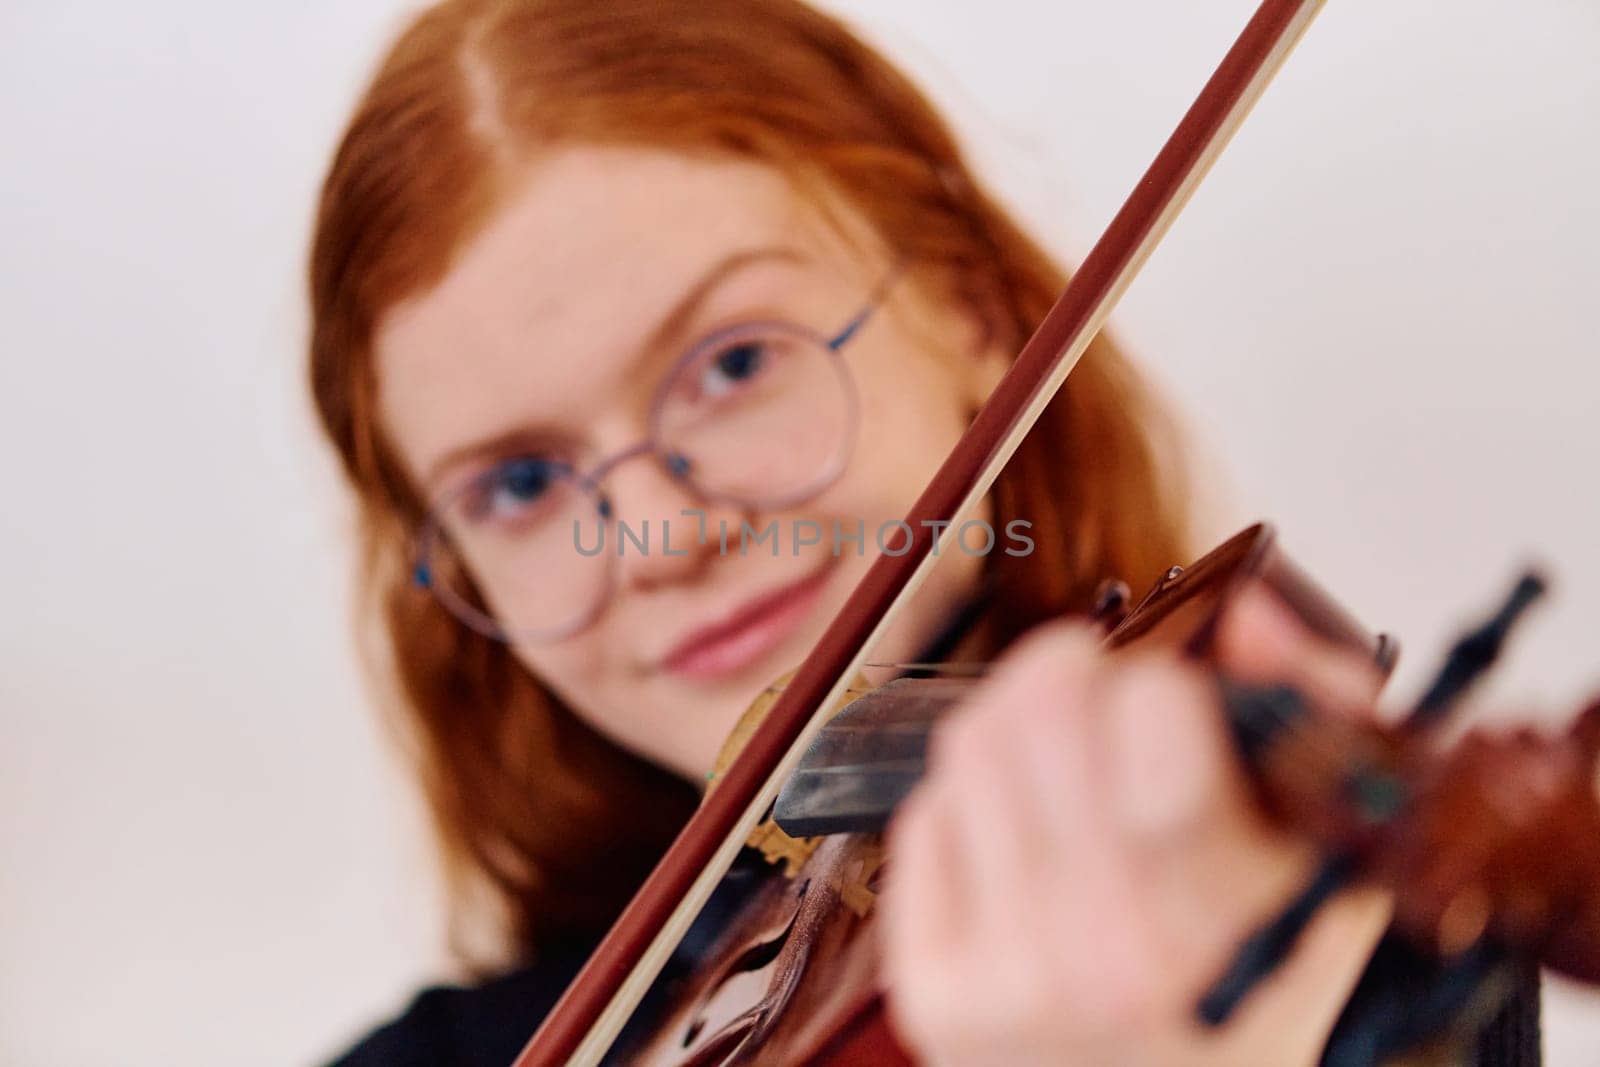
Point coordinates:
pixel 1084 857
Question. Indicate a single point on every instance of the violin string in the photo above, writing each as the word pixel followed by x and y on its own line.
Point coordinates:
pixel 1272 715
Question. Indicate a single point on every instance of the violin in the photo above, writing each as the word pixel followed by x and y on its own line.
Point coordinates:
pixel 1490 843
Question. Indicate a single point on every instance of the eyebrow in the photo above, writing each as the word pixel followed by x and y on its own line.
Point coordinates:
pixel 670 329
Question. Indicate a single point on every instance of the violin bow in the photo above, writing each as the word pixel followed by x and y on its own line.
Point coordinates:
pixel 600 1000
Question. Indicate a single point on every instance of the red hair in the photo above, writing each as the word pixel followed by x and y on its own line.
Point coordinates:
pixel 527 801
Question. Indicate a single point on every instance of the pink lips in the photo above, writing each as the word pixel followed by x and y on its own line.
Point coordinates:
pixel 727 646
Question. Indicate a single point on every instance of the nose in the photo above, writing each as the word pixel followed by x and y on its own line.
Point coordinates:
pixel 655 541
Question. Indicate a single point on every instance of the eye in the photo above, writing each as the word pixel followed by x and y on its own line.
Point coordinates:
pixel 516 487
pixel 731 367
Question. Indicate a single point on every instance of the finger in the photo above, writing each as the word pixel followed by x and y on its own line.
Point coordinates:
pixel 960 828
pixel 1168 763
pixel 1202 855
pixel 1262 640
pixel 1200 850
pixel 924 903
pixel 1050 702
pixel 1013 771
pixel 922 923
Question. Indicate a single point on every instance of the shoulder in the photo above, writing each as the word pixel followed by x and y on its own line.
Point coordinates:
pixel 464 1026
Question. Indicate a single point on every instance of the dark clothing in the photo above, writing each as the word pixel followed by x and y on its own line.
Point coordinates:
pixel 487 1025
pixel 454 1027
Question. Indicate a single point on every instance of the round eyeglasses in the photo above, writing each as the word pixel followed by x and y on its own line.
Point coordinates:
pixel 757 416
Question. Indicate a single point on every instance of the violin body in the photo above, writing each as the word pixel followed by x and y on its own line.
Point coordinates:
pixel 794 979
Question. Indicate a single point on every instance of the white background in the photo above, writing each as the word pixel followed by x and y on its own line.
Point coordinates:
pixel 1377 315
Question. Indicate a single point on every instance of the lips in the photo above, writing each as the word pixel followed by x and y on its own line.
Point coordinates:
pixel 733 643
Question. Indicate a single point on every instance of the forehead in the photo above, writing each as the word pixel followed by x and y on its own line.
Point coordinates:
pixel 545 309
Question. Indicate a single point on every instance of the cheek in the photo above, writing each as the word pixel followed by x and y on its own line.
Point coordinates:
pixel 912 415
pixel 679 729
pixel 581 672
pixel 594 676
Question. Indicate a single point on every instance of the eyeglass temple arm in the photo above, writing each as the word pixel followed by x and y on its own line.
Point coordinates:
pixel 852 327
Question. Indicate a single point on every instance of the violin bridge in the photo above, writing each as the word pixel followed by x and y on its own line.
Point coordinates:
pixel 859 890
pixel 776 846
pixel 773 843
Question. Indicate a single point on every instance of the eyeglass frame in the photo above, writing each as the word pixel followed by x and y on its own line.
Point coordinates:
pixel 430 531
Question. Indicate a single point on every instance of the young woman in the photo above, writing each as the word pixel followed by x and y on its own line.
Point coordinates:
pixel 594 285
